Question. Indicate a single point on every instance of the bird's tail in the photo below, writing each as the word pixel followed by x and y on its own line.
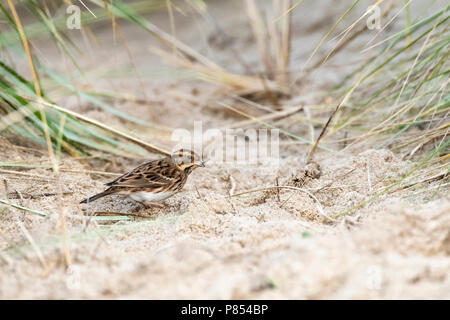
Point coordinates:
pixel 97 196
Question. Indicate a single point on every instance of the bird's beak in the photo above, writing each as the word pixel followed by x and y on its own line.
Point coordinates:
pixel 201 164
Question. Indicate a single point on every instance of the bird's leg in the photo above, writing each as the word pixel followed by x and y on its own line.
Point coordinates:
pixel 149 204
pixel 143 204
pixel 156 204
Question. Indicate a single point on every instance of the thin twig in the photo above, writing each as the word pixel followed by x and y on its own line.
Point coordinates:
pixel 369 181
pixel 36 195
pixel 231 192
pixel 39 212
pixel 112 214
pixel 278 189
pixel 272 116
pixel 434 178
pixel 324 129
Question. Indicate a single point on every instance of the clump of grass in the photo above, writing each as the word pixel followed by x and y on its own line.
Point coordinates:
pixel 272 33
pixel 399 99
pixel 29 112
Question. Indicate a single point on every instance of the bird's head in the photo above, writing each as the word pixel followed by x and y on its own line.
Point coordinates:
pixel 187 160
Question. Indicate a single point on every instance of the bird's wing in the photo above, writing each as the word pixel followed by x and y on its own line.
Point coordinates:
pixel 157 173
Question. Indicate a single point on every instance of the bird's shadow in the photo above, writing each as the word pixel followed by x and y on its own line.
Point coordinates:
pixel 117 205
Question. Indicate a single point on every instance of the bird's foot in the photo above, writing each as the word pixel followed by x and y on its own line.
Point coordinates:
pixel 151 204
pixel 155 204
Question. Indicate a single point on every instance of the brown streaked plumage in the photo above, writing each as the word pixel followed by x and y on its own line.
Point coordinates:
pixel 154 181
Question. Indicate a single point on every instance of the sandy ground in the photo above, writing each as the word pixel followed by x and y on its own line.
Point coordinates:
pixel 203 244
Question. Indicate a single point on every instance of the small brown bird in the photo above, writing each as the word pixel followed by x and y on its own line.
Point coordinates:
pixel 154 181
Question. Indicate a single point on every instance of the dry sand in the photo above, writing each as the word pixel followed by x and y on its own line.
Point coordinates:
pixel 203 244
